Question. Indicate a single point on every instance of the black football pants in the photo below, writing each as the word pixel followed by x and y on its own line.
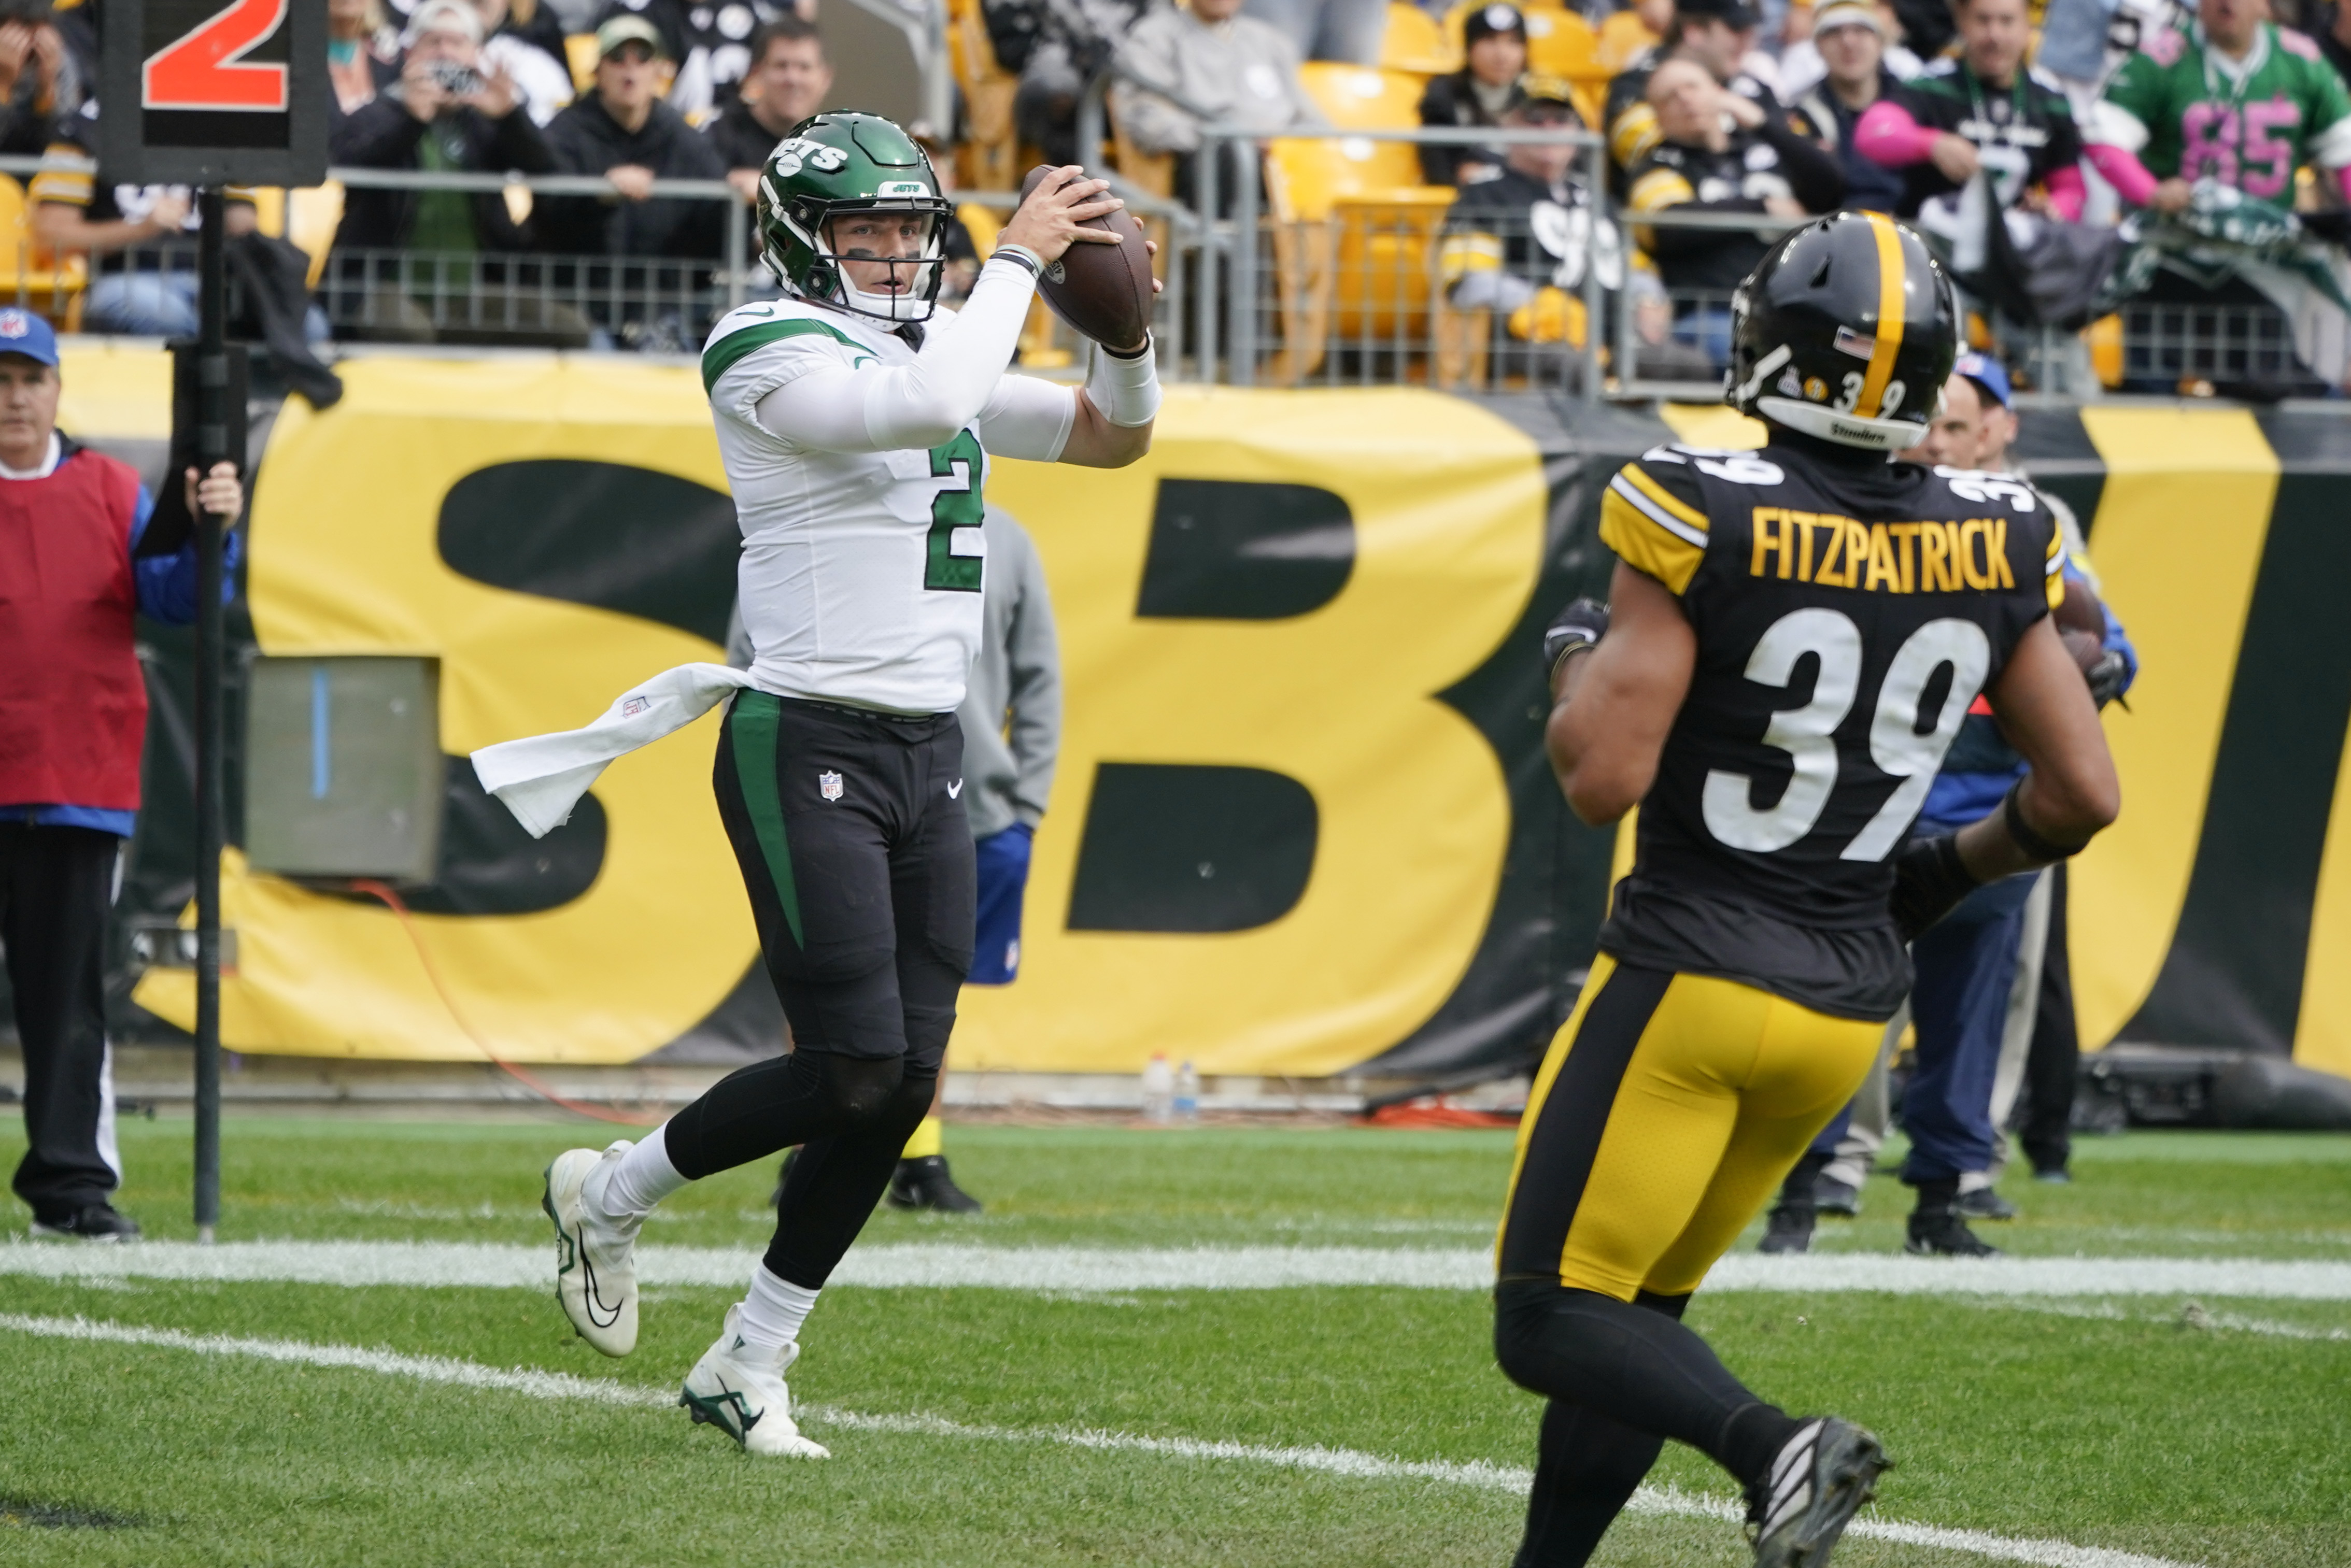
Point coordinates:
pixel 856 850
pixel 57 885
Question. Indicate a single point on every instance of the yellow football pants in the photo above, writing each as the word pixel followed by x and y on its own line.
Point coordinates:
pixel 1667 1111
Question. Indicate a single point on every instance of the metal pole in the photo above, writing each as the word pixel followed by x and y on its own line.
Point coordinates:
pixel 1212 252
pixel 739 240
pixel 210 447
pixel 1245 239
pixel 1595 300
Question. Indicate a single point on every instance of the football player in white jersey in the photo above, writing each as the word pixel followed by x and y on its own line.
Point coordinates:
pixel 856 421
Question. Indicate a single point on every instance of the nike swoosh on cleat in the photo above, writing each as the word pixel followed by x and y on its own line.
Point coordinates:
pixel 595 1299
pixel 954 788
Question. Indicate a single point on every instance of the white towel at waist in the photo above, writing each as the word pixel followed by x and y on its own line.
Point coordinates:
pixel 540 778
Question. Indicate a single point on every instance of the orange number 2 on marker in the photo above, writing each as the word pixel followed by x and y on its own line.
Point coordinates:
pixel 202 68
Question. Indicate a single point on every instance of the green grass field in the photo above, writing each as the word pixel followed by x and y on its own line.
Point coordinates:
pixel 955 1412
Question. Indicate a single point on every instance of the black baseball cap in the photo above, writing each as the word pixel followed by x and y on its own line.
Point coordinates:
pixel 1487 20
pixel 1736 14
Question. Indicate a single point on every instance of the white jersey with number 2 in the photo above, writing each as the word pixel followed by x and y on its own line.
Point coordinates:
pixel 863 559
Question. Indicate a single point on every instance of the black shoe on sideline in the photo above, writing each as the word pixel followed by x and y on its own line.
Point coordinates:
pixel 1941 1232
pixel 1985 1204
pixel 1789 1229
pixel 925 1184
pixel 1831 1195
pixel 1824 1476
pixel 97 1222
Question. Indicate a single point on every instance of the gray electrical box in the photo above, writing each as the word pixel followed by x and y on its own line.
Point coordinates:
pixel 344 771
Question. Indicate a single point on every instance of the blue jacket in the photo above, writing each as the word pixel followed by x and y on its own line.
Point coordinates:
pixel 1981 767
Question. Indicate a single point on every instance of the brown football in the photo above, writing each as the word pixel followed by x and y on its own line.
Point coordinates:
pixel 1104 291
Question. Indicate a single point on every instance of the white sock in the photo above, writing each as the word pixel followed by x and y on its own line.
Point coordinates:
pixel 623 1192
pixel 773 1312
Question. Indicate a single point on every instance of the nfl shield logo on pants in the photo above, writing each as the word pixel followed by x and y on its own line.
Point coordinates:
pixel 829 786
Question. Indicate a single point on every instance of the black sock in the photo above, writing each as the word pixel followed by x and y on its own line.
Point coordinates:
pixel 1635 1366
pixel 1587 1470
pixel 1801 1191
pixel 769 1105
pixel 1939 1196
pixel 832 1188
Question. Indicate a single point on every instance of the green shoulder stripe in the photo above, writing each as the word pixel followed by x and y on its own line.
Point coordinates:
pixel 723 355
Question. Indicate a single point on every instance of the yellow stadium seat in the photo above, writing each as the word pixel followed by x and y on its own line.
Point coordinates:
pixel 1622 36
pixel 1381 273
pixel 312 216
pixel 1414 42
pixel 1363 98
pixel 580 54
pixel 2105 337
pixel 992 155
pixel 269 210
pixel 1562 44
pixel 43 281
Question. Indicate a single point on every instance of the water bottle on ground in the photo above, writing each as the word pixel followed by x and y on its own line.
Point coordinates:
pixel 1158 1090
pixel 1187 1093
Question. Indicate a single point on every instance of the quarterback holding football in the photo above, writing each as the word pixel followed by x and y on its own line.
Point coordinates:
pixel 857 418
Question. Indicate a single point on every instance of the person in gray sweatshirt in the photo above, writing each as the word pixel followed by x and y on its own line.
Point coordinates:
pixel 1011 718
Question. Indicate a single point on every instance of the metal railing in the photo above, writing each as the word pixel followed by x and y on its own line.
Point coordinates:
pixel 1348 288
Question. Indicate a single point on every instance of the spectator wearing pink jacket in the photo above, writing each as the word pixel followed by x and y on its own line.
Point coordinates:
pixel 1986 112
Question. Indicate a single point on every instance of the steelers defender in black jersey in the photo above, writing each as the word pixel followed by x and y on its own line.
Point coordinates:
pixel 1793 636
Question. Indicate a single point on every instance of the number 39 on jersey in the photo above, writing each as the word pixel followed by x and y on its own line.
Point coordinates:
pixel 1848 612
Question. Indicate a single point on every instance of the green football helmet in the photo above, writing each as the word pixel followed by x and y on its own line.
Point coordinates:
pixel 837 163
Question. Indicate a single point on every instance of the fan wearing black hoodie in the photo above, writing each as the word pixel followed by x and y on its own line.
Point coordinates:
pixel 623 131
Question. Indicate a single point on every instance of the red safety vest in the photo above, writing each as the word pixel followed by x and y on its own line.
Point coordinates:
pixel 73 704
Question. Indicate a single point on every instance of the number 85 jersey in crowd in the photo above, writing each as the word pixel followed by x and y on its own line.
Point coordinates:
pixel 1848 611
pixel 860 578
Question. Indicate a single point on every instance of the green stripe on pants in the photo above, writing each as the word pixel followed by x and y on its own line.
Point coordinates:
pixel 752 723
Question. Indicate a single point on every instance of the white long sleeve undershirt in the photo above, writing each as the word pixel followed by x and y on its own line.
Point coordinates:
pixel 955 376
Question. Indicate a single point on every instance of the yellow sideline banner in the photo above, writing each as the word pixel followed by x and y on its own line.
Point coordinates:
pixel 525 520
pixel 1410 809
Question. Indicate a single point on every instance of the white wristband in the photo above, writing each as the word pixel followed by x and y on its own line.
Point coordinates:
pixel 1126 391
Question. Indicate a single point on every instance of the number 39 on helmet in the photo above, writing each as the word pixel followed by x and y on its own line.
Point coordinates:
pixel 834 165
pixel 1845 330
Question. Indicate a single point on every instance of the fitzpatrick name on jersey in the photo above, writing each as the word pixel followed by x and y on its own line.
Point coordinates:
pixel 859 580
pixel 1848 611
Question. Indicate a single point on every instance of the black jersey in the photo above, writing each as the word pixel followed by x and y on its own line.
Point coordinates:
pixel 2024 133
pixel 1848 611
pixel 1631 124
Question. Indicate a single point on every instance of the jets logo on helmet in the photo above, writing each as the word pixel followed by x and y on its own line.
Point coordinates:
pixel 837 167
pixel 800 152
pixel 1845 330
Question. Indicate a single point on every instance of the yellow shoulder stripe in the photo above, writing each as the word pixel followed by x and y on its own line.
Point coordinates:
pixel 1660 188
pixel 1633 134
pixel 2055 570
pixel 1644 544
pixel 1657 493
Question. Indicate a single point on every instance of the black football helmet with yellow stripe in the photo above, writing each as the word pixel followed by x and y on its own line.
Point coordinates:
pixel 1846 330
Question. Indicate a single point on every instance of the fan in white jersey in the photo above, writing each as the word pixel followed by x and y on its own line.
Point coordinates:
pixel 856 421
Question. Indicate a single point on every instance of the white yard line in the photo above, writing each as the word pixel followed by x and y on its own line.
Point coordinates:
pixel 1508 1479
pixel 1080 1270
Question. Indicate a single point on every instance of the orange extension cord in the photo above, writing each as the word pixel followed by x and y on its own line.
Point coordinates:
pixel 391 900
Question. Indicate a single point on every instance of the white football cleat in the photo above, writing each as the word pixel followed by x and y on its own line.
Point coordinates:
pixel 741 1392
pixel 595 1263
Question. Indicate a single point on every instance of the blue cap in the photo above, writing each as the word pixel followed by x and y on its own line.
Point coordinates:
pixel 27 333
pixel 1982 369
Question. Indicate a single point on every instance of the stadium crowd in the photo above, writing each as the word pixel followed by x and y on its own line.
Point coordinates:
pixel 2063 155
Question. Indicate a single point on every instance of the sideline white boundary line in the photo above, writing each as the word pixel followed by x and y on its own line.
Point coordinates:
pixel 1080 1270
pixel 1508 1479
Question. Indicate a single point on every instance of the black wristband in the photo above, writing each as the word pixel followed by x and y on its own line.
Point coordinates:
pixel 2031 840
pixel 1138 353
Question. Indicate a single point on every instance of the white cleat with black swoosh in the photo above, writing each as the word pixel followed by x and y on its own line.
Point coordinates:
pixel 740 1390
pixel 595 1263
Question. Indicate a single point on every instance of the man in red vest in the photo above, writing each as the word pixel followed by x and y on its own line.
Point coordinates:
pixel 73 717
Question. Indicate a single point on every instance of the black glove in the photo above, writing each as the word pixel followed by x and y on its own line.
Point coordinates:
pixel 1928 882
pixel 1581 625
pixel 2107 676
pixel 2333 225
